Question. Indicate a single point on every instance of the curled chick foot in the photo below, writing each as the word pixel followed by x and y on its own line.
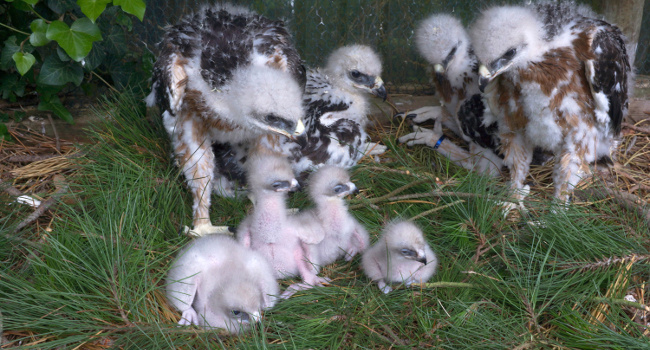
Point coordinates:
pixel 421 136
pixel 189 317
pixel 422 115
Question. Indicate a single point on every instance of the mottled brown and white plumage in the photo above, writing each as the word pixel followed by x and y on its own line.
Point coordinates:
pixel 225 74
pixel 401 255
pixel 216 282
pixel 336 101
pixel 556 78
pixel 443 41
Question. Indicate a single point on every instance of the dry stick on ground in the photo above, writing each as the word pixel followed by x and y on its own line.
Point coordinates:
pixel 388 170
pixel 622 302
pixel 26 158
pixel 56 134
pixel 443 285
pixel 626 200
pixel 61 189
pixel 636 128
pixel 10 189
pixel 392 193
pixel 607 262
pixel 425 213
pixel 436 193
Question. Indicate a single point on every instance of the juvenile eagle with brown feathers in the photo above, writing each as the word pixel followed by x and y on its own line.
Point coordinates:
pixel 225 74
pixel 555 77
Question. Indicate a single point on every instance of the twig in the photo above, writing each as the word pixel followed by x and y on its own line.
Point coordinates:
pixel 10 189
pixel 394 336
pixel 392 193
pixel 62 188
pixel 26 158
pixel 481 249
pixel 609 261
pixel 622 302
pixel 56 133
pixel 117 297
pixel 443 285
pixel 482 275
pixel 388 170
pixel 425 213
pixel 105 82
pixel 385 338
pixel 636 128
pixel 438 193
pixel 626 200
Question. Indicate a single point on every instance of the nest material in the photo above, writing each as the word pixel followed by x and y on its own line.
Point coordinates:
pixel 30 160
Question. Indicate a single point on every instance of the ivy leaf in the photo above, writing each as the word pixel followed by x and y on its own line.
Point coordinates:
pixel 21 5
pixel 6 57
pixel 39 28
pixel 12 85
pixel 24 61
pixel 76 40
pixel 134 7
pixel 31 2
pixel 61 6
pixel 93 8
pixel 94 58
pixel 56 72
pixel 53 104
pixel 4 132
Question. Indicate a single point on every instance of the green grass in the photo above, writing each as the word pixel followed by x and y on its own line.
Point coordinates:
pixel 97 279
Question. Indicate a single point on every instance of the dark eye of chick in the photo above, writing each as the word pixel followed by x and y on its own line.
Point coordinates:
pixel 408 252
pixel 510 54
pixel 270 118
pixel 236 312
pixel 355 74
pixel 278 122
pixel 340 188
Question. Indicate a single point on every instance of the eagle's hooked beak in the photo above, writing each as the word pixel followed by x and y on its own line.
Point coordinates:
pixel 484 77
pixel 423 257
pixel 352 189
pixel 300 128
pixel 378 89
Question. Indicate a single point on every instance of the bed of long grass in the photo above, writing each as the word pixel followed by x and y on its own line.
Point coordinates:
pixel 554 279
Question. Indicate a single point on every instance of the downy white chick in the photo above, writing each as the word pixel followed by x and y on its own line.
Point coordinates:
pixel 217 282
pixel 268 229
pixel 344 236
pixel 400 255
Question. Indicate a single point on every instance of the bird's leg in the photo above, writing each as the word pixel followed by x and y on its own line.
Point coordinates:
pixel 436 140
pixel 374 148
pixel 422 114
pixel 517 157
pixel 196 159
pixel 307 270
pixel 357 244
pixel 568 171
pixel 294 288
pixel 486 161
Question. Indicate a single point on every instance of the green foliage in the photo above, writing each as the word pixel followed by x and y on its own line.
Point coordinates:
pixel 53 45
pixel 98 278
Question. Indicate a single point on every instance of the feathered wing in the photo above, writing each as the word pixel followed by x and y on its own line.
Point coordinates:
pixel 608 72
pixel 471 118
